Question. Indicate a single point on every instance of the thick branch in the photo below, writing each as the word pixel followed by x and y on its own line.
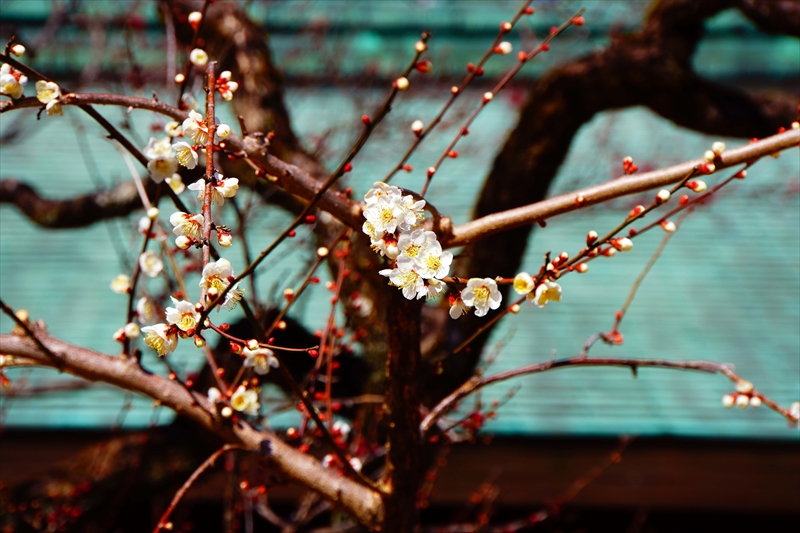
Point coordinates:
pixel 363 503
pixel 623 186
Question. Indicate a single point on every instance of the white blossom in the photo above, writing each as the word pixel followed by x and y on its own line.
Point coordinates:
pixel 183 315
pixel 186 154
pixel 381 189
pixel 173 128
pixel 549 291
pixel 163 159
pixel 434 287
pixel 260 360
pixel 195 128
pixel 48 92
pixel 457 307
pixel 147 311
pixel 150 264
pixel 189 225
pixel 218 275
pixel 161 338
pixel 12 81
pixel 523 283
pixel 175 183
pixel 121 284
pixel 224 188
pixel 198 57
pixel 409 281
pixel 482 294
pixel 245 401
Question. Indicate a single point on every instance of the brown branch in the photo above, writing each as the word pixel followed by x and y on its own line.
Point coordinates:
pixel 623 186
pixel 476 382
pixel 363 503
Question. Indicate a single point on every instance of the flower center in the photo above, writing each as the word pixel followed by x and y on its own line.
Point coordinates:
pixel 433 262
pixel 481 294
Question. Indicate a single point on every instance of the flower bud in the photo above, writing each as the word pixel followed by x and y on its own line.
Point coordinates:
pixel 226 412
pixel 18 50
pixel 742 401
pixel 718 147
pixel 322 251
pixel 504 48
pixel 252 344
pixel 610 251
pixel 213 292
pixel 697 185
pixel 199 341
pixel 662 196
pixel 417 127
pixel 152 213
pixel 743 386
pixel 636 211
pixel 755 401
pixel 131 330
pixel 119 335
pixel 198 57
pixel 728 400
pixel 224 131
pixel 623 244
pixel 431 171
pixel 514 309
pixel 582 268
pixel 591 237
pixel 420 47
pixel 179 78
pixel 709 156
pixel 183 242
pixel 288 293
pixel 121 284
pixel 224 239
pixel 505 26
pixel 401 83
pixel 487 97
pixel 194 19
pixel 668 226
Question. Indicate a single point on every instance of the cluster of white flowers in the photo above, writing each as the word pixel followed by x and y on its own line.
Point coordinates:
pixel 223 188
pixel 48 93
pixel 12 81
pixel 393 226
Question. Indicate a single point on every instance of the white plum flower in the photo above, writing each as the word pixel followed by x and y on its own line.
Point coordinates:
pixel 195 128
pixel 391 212
pixel 381 189
pixel 224 188
pixel 175 183
pixel 161 338
pixel 186 154
pixel 147 311
pixel 523 283
pixel 245 401
pixel 198 57
pixel 163 159
pixel 183 315
pixel 409 281
pixel 432 261
pixel 482 294
pixel 434 287
pixel 48 92
pixel 260 360
pixel 189 225
pixel 173 128
pixel 121 284
pixel 457 307
pixel 12 81
pixel 214 395
pixel 549 291
pixel 150 264
pixel 217 276
pixel 382 243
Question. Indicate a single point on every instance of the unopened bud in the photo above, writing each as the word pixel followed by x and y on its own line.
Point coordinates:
pixel 194 18
pixel 224 239
pixel 668 226
pixel 199 341
pixel 742 401
pixel 623 244
pixel 662 195
pixel 610 251
pixel 179 78
pixel 718 147
pixel 636 211
pixel 504 48
pixel 252 344
pixel 755 401
pixel 582 268
pixel 514 309
pixel 728 400
pixel 417 127
pixel 709 156
pixel 131 330
pixel 18 50
pixel 487 97
pixel 183 242
pixel 591 237
pixel 322 251
pixel 288 293
pixel 213 292
pixel 401 83
pixel 454 90
pixel 697 185
pixel 505 26
pixel 224 131
pixel 431 171
pixel 420 47
pixel 226 412
pixel 744 386
pixel 152 213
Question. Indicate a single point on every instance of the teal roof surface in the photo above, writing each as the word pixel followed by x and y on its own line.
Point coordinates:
pixel 726 289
